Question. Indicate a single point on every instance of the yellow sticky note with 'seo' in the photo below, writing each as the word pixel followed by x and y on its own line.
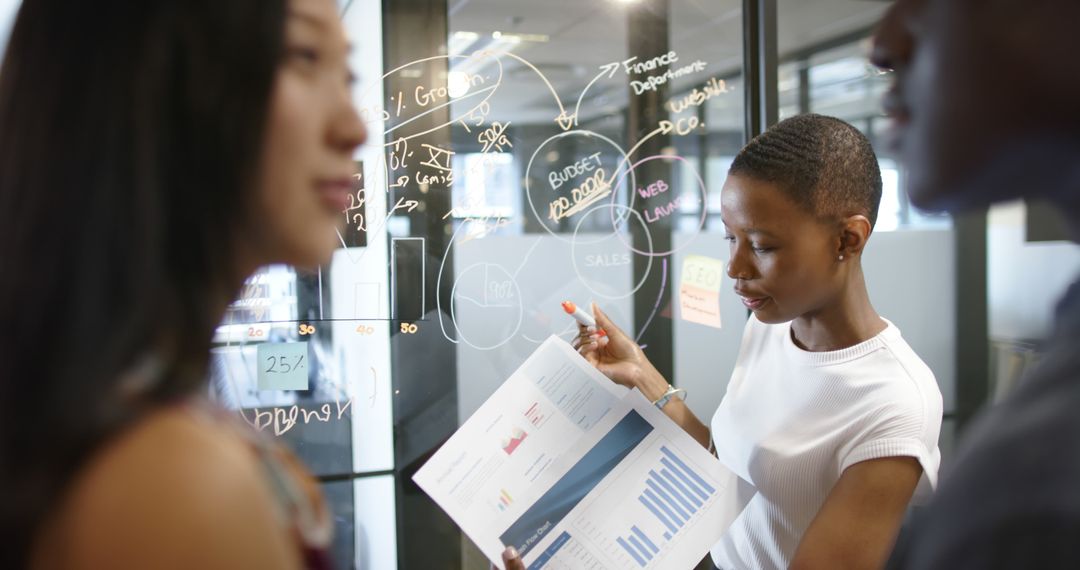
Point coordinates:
pixel 699 292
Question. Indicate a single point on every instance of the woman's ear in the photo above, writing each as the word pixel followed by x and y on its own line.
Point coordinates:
pixel 854 232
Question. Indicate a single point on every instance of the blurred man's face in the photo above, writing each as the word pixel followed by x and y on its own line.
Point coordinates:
pixel 975 80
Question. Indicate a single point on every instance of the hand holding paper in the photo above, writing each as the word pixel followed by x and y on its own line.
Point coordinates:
pixel 574 472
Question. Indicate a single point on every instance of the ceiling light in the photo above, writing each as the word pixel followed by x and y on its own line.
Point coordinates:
pixel 457 84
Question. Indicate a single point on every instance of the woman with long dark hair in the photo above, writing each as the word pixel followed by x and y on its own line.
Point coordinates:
pixel 152 155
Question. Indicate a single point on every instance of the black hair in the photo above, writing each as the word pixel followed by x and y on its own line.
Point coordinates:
pixel 130 135
pixel 825 165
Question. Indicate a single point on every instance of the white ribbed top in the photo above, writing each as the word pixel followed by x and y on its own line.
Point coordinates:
pixel 792 421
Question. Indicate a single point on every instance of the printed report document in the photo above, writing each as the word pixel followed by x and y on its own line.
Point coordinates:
pixel 579 473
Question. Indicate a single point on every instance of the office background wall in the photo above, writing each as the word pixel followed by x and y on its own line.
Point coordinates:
pixel 1025 279
pixel 519 157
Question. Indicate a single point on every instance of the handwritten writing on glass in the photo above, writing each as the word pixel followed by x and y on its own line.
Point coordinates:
pixel 654 214
pixel 591 191
pixel 495 137
pixel 427 95
pixel 399 153
pixel 354 213
pixel 284 419
pixel 697 97
pixel 479 114
pixel 438 158
pixel 557 178
pixel 653 82
pixel 481 226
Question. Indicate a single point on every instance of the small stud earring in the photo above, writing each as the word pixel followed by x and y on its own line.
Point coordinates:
pixel 841 258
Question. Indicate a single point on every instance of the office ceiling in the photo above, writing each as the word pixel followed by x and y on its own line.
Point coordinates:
pixel 569 41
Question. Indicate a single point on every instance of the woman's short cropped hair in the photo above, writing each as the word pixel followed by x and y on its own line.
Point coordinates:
pixel 824 164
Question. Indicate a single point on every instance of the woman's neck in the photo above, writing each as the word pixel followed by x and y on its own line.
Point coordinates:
pixel 847 320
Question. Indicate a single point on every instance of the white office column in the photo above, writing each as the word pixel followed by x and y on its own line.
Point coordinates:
pixel 360 286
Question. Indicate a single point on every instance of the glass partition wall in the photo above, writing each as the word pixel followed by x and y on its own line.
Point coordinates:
pixel 521 154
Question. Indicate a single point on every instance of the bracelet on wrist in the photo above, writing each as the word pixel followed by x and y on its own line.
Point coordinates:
pixel 672 392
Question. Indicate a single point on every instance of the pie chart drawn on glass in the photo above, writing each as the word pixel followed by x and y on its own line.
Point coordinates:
pixel 486 306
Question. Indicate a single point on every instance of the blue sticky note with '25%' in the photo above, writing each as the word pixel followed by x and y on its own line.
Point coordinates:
pixel 283 366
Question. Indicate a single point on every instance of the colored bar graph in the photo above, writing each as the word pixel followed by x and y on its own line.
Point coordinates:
pixel 667 498
pixel 697 478
pixel 681 488
pixel 640 547
pixel 671 491
pixel 630 550
pixel 645 539
pixel 682 476
pixel 656 513
pixel 663 506
pixel 504 499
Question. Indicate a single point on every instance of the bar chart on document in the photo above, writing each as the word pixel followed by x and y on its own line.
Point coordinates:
pixel 639 530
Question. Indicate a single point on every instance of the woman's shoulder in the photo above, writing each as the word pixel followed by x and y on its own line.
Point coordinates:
pixel 176 440
pixel 908 364
pixel 177 489
pixel 898 394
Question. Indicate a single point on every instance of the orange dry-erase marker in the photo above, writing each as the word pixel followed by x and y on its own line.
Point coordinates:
pixel 579 315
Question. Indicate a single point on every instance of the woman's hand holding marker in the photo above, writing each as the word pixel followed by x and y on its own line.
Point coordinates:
pixel 615 354
pixel 587 331
pixel 583 318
